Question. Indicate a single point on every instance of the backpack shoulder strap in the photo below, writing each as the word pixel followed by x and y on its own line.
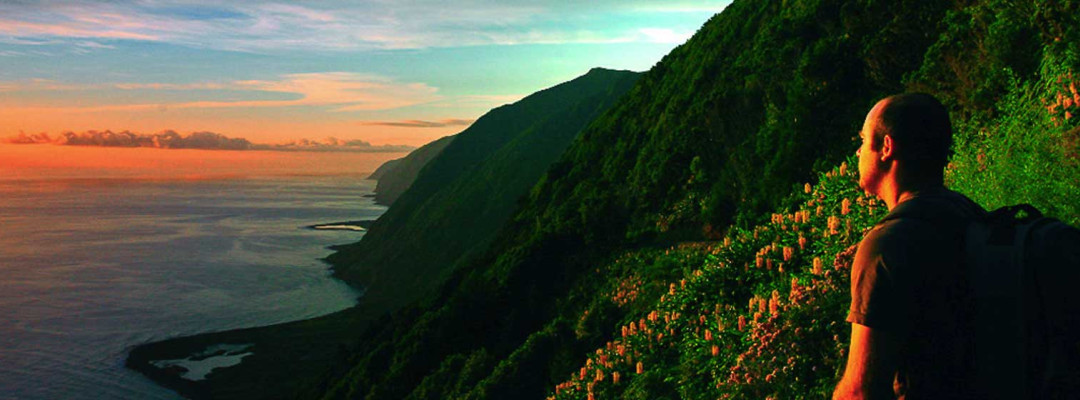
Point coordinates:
pixel 994 248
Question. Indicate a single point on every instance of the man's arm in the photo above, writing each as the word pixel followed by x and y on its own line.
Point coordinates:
pixel 871 365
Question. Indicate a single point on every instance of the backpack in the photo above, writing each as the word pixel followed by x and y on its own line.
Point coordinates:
pixel 1025 278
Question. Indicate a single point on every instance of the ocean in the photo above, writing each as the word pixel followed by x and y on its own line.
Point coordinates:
pixel 105 249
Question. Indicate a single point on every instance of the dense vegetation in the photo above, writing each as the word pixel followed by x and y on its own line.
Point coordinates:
pixel 462 196
pixel 586 295
pixel 395 176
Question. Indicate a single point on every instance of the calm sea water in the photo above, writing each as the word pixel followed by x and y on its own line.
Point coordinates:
pixel 95 260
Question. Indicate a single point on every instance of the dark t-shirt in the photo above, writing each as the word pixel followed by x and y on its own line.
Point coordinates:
pixel 908 278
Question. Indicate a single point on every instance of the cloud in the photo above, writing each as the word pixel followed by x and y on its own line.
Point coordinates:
pixel 415 123
pixel 663 35
pixel 340 91
pixel 196 140
pixel 261 26
pixel 334 144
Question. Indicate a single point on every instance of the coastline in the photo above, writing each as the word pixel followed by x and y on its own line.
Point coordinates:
pixel 278 360
pixel 284 358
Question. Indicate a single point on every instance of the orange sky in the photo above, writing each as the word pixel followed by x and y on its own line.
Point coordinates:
pixel 388 73
pixel 34 162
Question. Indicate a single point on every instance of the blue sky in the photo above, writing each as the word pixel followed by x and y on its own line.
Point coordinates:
pixel 277 71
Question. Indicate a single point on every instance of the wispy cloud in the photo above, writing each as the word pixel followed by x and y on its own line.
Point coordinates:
pixel 415 123
pixel 663 35
pixel 269 26
pixel 339 91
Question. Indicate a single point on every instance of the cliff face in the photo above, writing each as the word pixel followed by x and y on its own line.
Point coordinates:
pixel 467 191
pixel 395 176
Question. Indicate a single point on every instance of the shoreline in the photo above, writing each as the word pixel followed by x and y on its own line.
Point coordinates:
pixel 358 225
pixel 278 360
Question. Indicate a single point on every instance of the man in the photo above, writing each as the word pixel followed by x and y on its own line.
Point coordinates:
pixel 911 311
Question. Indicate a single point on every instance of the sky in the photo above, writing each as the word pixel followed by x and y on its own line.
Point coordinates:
pixel 382 72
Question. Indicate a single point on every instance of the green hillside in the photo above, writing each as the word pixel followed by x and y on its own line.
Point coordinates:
pixel 622 255
pixel 463 195
pixel 395 176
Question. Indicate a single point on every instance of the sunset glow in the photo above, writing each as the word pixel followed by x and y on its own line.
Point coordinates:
pixel 387 73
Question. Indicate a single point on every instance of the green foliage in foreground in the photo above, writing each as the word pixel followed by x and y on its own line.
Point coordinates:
pixel 1029 152
pixel 757 315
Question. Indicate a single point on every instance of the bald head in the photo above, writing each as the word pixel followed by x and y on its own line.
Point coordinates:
pixel 920 130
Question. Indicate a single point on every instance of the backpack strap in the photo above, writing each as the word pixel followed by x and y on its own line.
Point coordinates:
pixel 994 249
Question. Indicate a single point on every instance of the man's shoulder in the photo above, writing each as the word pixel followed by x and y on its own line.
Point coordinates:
pixel 893 235
pixel 935 213
pixel 938 206
pixel 926 221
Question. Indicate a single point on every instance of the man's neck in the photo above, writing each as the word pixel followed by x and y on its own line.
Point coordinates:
pixel 893 195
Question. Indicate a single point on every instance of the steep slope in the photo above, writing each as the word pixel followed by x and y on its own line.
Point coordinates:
pixel 720 131
pixel 395 176
pixel 386 166
pixel 463 195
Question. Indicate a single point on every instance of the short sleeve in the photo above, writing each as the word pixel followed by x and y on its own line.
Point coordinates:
pixel 879 298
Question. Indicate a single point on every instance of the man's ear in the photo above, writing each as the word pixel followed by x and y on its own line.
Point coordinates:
pixel 887 148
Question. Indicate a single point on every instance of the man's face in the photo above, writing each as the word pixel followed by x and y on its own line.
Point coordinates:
pixel 870 173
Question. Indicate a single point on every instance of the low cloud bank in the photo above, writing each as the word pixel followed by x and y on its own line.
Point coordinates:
pixel 196 140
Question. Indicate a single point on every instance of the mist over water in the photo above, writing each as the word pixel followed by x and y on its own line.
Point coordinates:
pixel 95 260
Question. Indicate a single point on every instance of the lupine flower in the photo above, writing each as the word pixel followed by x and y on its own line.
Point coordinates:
pixel 715 350
pixel 774 305
pixel 742 323
pixel 640 368
pixel 708 335
pixel 802 242
pixel 807 188
pixel 615 378
pixel 845 206
pixel 843 168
